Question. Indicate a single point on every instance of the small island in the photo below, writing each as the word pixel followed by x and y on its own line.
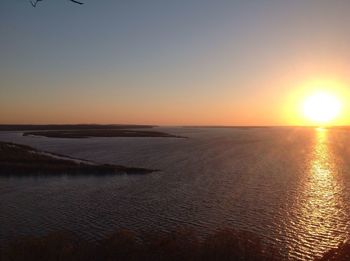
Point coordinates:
pixel 21 160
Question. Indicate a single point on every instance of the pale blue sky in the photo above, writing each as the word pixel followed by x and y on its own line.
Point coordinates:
pixel 165 62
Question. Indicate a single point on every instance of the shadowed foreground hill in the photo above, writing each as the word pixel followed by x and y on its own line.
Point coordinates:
pixel 182 244
pixel 124 245
pixel 22 160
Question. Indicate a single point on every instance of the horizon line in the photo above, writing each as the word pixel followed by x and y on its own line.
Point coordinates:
pixel 171 125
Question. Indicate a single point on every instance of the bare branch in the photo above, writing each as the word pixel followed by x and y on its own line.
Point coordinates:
pixel 35 2
pixel 76 2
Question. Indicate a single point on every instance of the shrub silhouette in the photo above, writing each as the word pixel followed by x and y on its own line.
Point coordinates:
pixel 122 245
pixel 54 246
pixel 229 244
pixel 181 244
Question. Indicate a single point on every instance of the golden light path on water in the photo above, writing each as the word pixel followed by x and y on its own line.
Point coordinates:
pixel 321 218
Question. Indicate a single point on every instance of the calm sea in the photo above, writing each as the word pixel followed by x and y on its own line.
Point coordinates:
pixel 291 186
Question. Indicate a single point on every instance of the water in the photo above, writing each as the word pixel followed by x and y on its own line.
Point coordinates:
pixel 288 185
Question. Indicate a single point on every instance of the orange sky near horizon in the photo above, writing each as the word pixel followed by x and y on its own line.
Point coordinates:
pixel 265 108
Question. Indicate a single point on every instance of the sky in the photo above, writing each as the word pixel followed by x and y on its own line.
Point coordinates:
pixel 184 62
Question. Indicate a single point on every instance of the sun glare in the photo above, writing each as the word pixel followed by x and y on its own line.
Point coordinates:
pixel 321 107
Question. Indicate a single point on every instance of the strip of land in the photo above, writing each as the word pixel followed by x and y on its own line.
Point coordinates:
pixel 21 160
pixel 33 127
pixel 81 134
pixel 80 131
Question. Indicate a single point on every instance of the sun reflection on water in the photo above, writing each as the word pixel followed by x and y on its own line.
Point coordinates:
pixel 320 216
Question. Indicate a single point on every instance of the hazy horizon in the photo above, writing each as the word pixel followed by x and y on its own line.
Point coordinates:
pixel 179 125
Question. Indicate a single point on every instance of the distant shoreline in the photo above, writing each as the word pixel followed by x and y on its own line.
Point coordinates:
pixel 21 160
pixel 229 127
pixel 81 131
pixel 46 127
pixel 90 133
pixel 37 127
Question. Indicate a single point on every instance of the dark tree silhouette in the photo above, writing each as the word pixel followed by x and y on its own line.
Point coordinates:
pixel 35 2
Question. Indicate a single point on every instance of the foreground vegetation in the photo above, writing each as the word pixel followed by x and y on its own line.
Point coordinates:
pixel 18 160
pixel 181 244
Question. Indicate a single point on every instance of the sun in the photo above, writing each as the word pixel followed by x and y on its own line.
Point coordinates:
pixel 321 107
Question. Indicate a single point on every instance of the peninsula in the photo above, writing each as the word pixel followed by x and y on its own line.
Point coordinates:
pixel 21 160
